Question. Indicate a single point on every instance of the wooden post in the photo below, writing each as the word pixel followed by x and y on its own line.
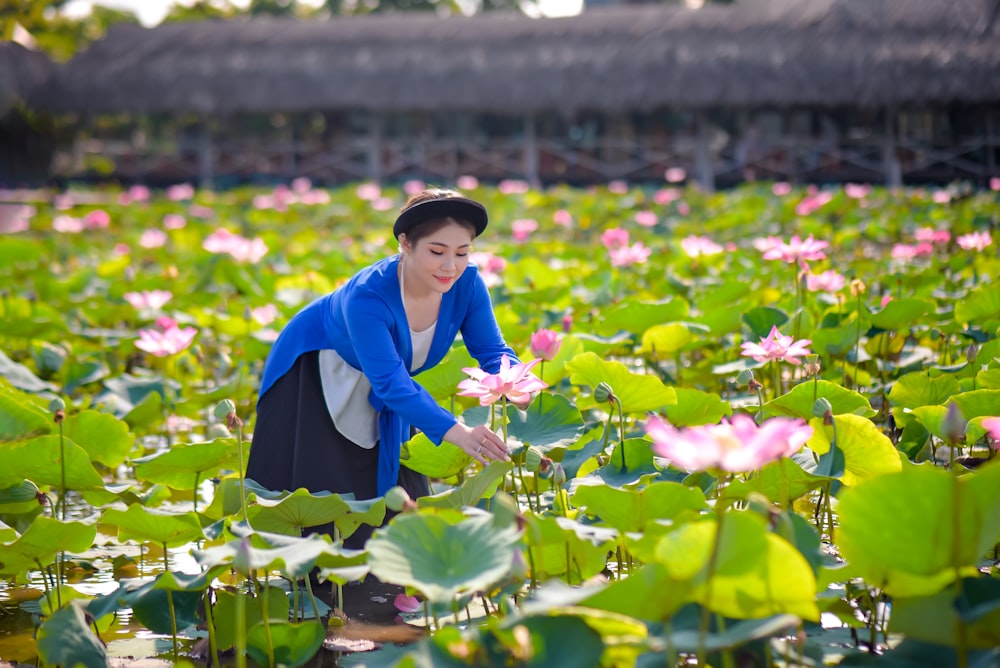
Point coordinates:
pixel 206 157
pixel 704 174
pixel 530 155
pixel 890 161
pixel 375 125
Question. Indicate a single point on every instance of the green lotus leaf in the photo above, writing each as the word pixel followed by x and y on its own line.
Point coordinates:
pixel 65 639
pixel 105 438
pixel 761 319
pixel 151 606
pixel 867 451
pixel 980 304
pixel 301 509
pixel 902 313
pixel 695 407
pixel 554 540
pixel 665 340
pixel 20 416
pixel 978 403
pixel 439 559
pixel 148 412
pixel 648 593
pixel 920 389
pixel 798 402
pixel 294 558
pixel 756 574
pixel 636 317
pixel 638 393
pixel 39 460
pixel 185 465
pixel 550 421
pixel 224 613
pixel 19 376
pixel 442 380
pixel 293 643
pixel 42 541
pixel 630 510
pixel 912 531
pixel 782 482
pixel 630 464
pixel 153 525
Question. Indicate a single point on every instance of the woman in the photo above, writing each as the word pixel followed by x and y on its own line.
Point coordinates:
pixel 337 398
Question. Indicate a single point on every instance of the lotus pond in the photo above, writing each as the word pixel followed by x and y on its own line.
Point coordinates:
pixel 767 438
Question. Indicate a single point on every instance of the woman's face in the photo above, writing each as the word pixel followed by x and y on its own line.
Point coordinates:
pixel 437 260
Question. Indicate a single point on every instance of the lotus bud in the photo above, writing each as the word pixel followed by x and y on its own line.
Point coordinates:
pixel 558 475
pixel 857 287
pixel 972 352
pixel 224 408
pixel 954 424
pixel 545 468
pixel 811 365
pixel 567 323
pixel 242 561
pixel 533 458
pixel 603 393
pixel 822 407
pixel 518 567
pixel 397 499
pixel 745 377
pixel 58 408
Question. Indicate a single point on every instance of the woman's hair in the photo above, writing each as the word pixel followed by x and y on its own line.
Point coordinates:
pixel 432 225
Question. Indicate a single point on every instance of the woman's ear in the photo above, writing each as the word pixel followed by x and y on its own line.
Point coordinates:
pixel 404 245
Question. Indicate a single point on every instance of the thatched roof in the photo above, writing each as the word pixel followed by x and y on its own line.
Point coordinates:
pixel 22 71
pixel 747 53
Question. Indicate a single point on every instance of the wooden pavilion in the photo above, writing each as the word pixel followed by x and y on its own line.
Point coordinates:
pixel 802 90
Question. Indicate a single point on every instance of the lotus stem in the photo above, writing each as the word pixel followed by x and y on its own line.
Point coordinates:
pixel 312 597
pixel 621 430
pixel 213 643
pixel 265 614
pixel 961 642
pixel 713 559
pixel 241 630
pixel 170 604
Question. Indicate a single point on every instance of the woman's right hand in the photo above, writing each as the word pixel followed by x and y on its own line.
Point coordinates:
pixel 478 442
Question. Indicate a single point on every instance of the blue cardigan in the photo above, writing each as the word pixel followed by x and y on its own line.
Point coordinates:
pixel 365 322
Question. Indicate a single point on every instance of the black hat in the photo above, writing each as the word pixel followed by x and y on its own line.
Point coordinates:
pixel 460 208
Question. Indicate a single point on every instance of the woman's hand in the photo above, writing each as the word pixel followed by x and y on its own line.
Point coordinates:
pixel 478 442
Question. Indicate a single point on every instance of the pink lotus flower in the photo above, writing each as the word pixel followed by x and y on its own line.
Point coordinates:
pixel 523 228
pixel 383 204
pixel 148 299
pixel 264 315
pixel 67 224
pixel 413 186
pixel 675 174
pixel 201 211
pixel 995 183
pixel 406 603
pixel 153 238
pixel 138 193
pixel 666 195
pixel 696 246
pixel 909 252
pixel 646 218
pixel 368 191
pixel 97 219
pixel 941 196
pixel 765 244
pixel 545 344
pixel 516 382
pixel 314 197
pixel 828 281
pixel 618 187
pixel 683 208
pixel 513 187
pixel 736 446
pixel 798 250
pixel 776 346
pixel 15 218
pixel 885 300
pixel 637 253
pixel 975 241
pixel 301 185
pixel 563 218
pixel 930 235
pixel 992 427
pixel 857 190
pixel 240 248
pixel 180 191
pixel 567 323
pixel 166 342
pixel 467 182
pixel 614 238
pixel 812 203
pixel 174 221
pixel 781 188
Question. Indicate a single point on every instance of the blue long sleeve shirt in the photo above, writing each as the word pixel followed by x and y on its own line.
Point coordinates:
pixel 365 322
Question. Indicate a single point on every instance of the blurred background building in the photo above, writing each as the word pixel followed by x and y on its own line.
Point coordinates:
pixel 888 91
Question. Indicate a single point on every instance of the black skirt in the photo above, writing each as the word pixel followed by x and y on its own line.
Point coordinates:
pixel 295 444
